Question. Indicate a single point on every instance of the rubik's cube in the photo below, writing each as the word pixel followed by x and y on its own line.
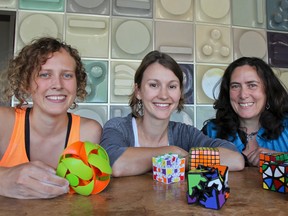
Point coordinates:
pixel 168 168
pixel 278 157
pixel 208 186
pixel 275 176
pixel 203 156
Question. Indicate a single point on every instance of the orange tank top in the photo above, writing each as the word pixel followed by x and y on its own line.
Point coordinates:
pixel 16 151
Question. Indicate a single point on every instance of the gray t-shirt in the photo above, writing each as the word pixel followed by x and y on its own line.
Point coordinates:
pixel 118 136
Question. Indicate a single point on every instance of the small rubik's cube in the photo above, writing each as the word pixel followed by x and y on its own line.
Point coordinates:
pixel 275 176
pixel 203 156
pixel 168 168
pixel 208 186
pixel 278 157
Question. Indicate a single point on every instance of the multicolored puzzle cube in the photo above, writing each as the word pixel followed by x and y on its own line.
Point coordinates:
pixel 208 186
pixel 272 157
pixel 203 156
pixel 275 176
pixel 168 168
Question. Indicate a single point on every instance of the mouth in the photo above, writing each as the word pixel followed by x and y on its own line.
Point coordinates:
pixel 56 97
pixel 161 105
pixel 246 104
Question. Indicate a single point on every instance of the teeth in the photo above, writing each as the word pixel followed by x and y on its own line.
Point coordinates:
pixel 246 104
pixel 162 105
pixel 56 97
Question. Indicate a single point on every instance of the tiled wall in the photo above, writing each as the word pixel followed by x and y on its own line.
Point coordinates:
pixel 204 36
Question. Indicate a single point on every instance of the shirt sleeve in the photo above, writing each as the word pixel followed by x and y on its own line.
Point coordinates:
pixel 187 136
pixel 115 138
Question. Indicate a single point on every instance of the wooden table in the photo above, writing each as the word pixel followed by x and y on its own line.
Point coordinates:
pixel 140 195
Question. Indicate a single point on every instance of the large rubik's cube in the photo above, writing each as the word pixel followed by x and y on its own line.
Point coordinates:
pixel 274 169
pixel 278 157
pixel 203 156
pixel 275 176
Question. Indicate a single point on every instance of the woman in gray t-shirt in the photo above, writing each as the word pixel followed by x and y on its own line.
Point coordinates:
pixel 132 141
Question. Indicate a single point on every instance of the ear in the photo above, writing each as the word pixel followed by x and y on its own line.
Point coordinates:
pixel 29 89
pixel 137 91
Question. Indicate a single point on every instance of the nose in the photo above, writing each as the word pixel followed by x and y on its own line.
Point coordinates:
pixel 243 93
pixel 56 82
pixel 163 94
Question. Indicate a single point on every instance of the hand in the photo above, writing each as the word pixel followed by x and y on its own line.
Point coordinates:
pixel 33 180
pixel 253 157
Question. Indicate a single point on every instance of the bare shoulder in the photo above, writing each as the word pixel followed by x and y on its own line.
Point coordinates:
pixel 90 130
pixel 7 119
pixel 7 114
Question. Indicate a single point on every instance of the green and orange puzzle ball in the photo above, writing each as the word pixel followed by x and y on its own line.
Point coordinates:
pixel 86 166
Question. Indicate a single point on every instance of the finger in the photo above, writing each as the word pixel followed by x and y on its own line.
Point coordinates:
pixel 252 153
pixel 49 185
pixel 26 192
pixel 32 186
pixel 253 158
pixel 49 178
pixel 39 172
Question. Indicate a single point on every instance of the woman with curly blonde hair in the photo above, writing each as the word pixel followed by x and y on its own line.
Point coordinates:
pixel 49 74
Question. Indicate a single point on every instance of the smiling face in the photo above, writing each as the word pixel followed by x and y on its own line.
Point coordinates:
pixel 160 92
pixel 53 88
pixel 247 93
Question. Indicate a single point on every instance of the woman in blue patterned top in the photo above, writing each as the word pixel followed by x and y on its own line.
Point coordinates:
pixel 251 110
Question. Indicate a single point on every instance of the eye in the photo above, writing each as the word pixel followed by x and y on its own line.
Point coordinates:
pixel 43 74
pixel 252 85
pixel 68 75
pixel 234 86
pixel 173 86
pixel 153 85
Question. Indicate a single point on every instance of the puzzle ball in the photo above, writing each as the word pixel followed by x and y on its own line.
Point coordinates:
pixel 86 166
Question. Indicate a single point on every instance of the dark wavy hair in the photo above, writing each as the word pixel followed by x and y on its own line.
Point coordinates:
pixel 271 119
pixel 30 59
pixel 166 61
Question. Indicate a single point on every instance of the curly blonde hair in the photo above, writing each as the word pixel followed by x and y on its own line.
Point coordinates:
pixel 30 59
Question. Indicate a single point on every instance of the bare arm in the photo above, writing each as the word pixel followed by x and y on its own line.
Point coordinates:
pixel 91 130
pixel 253 157
pixel 33 180
pixel 233 159
pixel 138 160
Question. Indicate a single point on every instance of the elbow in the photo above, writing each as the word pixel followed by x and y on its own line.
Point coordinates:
pixel 238 165
pixel 118 171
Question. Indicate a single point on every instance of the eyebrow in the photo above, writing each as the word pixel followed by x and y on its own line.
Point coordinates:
pixel 157 80
pixel 48 69
pixel 248 82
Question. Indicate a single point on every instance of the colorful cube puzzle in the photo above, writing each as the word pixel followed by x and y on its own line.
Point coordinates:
pixel 275 176
pixel 208 186
pixel 203 156
pixel 269 157
pixel 168 168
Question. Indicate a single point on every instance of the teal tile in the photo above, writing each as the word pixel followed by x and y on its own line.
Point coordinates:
pixel 43 5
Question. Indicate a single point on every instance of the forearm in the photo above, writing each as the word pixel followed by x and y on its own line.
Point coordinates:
pixel 234 160
pixel 137 161
pixel 2 180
